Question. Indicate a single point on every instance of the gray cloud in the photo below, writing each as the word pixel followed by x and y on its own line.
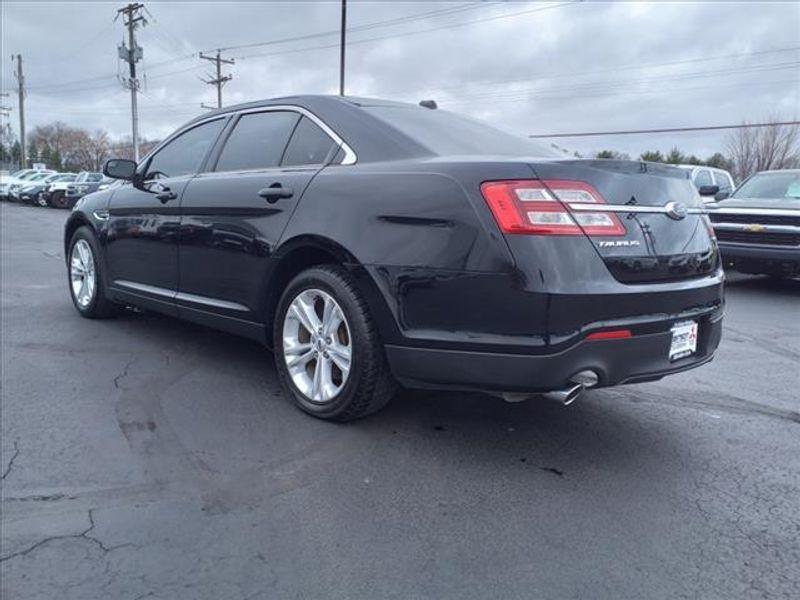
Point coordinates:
pixel 584 67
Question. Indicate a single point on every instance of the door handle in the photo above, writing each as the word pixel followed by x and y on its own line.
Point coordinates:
pixel 165 195
pixel 275 192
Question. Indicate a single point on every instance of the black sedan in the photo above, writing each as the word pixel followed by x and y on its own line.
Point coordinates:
pixel 371 243
pixel 758 227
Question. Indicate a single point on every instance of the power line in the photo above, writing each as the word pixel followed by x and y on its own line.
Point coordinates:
pixel 664 130
pixel 365 27
pixel 580 88
pixel 637 66
pixel 415 32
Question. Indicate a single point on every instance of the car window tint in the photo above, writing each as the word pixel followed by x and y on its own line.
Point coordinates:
pixel 702 178
pixel 184 154
pixel 95 177
pixel 309 145
pixel 257 141
pixel 445 133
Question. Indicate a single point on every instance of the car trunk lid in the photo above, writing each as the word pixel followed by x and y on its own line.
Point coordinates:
pixel 664 238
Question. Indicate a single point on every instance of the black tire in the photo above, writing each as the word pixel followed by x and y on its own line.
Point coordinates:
pixel 369 385
pixel 57 199
pixel 100 307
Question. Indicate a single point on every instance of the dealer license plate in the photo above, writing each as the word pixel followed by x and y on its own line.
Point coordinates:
pixel 684 340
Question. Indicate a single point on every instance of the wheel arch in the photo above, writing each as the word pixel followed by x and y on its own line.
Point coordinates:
pixel 305 251
pixel 75 221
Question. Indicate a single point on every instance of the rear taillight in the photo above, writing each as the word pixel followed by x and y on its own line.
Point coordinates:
pixel 532 206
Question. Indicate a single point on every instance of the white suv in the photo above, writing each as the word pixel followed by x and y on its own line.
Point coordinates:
pixel 706 179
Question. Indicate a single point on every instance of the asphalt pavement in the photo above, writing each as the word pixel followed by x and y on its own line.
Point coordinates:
pixel 143 457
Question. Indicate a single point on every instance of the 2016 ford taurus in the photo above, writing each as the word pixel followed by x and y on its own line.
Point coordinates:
pixel 370 243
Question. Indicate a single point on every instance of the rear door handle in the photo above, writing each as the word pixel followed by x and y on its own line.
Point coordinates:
pixel 165 195
pixel 275 192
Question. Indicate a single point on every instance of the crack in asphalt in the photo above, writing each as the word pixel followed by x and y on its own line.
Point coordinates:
pixel 82 535
pixel 11 462
pixel 124 372
pixel 765 345
pixel 726 402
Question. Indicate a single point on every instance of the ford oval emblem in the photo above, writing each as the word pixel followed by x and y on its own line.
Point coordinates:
pixel 676 210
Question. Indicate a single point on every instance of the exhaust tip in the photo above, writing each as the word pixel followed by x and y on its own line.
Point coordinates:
pixel 566 396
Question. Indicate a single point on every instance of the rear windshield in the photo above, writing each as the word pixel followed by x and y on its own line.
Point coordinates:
pixel 445 133
pixel 771 185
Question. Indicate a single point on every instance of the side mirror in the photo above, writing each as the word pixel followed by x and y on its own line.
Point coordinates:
pixel 721 196
pixel 708 190
pixel 120 168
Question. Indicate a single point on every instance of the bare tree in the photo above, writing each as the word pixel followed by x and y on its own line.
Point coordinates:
pixel 754 149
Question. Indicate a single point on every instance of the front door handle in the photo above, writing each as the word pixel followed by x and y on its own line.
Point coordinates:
pixel 165 195
pixel 275 192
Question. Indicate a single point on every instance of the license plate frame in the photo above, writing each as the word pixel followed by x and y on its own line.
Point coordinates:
pixel 683 342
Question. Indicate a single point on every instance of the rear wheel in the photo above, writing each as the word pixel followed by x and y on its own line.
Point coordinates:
pixel 86 277
pixel 57 199
pixel 327 351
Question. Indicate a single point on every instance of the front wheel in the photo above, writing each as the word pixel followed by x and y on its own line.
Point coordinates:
pixel 327 350
pixel 85 275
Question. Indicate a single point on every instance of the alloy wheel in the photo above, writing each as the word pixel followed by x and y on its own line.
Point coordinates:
pixel 82 273
pixel 317 345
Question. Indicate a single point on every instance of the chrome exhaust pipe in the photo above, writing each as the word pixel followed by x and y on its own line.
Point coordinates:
pixel 566 396
pixel 578 383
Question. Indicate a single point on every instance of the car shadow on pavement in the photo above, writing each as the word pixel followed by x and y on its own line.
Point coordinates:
pixel 603 429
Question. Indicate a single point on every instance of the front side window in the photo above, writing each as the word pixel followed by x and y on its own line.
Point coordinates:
pixel 257 141
pixel 309 145
pixel 184 154
pixel 702 178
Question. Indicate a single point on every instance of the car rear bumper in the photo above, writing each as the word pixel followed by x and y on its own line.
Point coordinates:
pixel 752 258
pixel 643 357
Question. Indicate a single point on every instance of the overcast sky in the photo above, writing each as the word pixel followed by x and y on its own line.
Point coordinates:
pixel 534 67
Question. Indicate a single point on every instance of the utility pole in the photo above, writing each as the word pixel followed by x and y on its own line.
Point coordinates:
pixel 219 80
pixel 341 47
pixel 5 111
pixel 132 54
pixel 21 99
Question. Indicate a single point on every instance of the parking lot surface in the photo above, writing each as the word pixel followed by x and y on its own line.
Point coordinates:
pixel 143 457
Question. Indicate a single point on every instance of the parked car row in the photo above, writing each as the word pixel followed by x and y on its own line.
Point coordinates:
pixel 44 187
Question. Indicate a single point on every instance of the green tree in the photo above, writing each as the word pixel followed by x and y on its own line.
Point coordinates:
pixel 33 153
pixel 651 156
pixel 719 161
pixel 56 158
pixel 693 160
pixel 675 157
pixel 606 154
pixel 16 154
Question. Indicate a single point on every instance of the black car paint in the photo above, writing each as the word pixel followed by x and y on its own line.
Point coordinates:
pixel 446 287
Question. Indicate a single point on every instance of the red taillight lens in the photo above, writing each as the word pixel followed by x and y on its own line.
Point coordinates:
pixel 536 207
pixel 610 334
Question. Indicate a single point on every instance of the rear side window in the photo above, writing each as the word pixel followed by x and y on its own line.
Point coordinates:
pixel 257 141
pixel 702 178
pixel 309 145
pixel 723 181
pixel 184 154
